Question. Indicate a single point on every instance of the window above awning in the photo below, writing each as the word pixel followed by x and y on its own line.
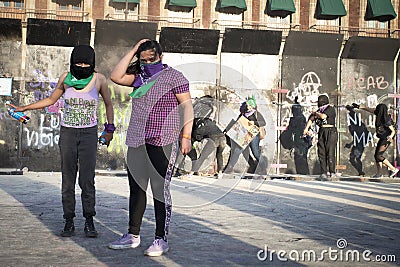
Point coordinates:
pixel 330 9
pixel 279 8
pixel 124 1
pixel 381 10
pixel 241 4
pixel 184 3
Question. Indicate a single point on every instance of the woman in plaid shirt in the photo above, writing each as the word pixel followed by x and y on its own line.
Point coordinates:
pixel 159 94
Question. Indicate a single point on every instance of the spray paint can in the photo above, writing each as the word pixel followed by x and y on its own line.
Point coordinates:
pixel 102 140
pixel 21 117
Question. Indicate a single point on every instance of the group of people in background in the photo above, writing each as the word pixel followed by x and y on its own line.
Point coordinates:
pixel 325 118
pixel 162 125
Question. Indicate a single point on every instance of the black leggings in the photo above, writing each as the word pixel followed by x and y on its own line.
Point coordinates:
pixel 381 147
pixel 152 163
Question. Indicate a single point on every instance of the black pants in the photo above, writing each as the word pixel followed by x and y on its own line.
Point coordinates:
pixel 78 148
pixel 155 164
pixel 327 140
pixel 381 148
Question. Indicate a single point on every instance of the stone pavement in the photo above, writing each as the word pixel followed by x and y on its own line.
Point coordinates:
pixel 215 222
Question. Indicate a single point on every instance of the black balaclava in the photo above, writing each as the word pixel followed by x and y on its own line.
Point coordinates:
pixel 323 100
pixel 296 110
pixel 82 54
pixel 382 116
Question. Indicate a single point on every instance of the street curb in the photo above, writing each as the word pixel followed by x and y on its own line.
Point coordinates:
pixel 11 172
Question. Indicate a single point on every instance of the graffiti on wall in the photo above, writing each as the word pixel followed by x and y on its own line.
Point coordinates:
pixel 306 90
pixel 46 135
pixel 43 87
pixel 4 115
pixel 304 93
pixel 367 83
pixel 295 110
pixel 122 114
pixel 359 140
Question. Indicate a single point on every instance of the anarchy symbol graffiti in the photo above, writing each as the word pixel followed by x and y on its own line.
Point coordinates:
pixel 307 90
pixel 311 82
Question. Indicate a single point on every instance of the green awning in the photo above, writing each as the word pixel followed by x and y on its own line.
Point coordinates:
pixel 184 3
pixel 381 10
pixel 241 4
pixel 279 8
pixel 129 1
pixel 330 9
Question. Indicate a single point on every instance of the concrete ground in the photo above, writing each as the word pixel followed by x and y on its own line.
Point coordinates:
pixel 285 221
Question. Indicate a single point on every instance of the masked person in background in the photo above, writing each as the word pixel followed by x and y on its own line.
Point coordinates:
pixel 80 88
pixel 325 118
pixel 249 110
pixel 207 129
pixel 159 94
pixel 385 131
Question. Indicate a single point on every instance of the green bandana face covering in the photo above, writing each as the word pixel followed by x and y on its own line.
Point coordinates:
pixel 70 80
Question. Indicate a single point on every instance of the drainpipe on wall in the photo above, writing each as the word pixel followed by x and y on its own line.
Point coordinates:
pixel 21 91
pixel 126 10
pixel 218 75
pixel 339 100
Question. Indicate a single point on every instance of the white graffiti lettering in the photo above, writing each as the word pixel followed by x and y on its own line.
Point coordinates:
pixel 45 136
pixel 364 140
pixel 367 83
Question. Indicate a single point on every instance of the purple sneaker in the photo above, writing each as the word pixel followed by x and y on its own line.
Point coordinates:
pixel 158 248
pixel 126 241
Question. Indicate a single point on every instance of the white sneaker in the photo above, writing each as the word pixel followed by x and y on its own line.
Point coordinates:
pixel 394 173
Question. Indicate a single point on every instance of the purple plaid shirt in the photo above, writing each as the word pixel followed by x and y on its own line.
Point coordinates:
pixel 155 116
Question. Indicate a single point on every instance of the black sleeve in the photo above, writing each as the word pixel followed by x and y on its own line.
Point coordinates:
pixel 331 113
pixel 261 120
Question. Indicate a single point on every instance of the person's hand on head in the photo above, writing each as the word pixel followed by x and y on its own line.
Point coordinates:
pixel 136 47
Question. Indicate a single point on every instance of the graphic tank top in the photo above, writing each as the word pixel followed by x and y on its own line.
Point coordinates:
pixel 80 108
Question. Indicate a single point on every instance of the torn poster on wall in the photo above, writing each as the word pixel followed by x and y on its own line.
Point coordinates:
pixel 5 86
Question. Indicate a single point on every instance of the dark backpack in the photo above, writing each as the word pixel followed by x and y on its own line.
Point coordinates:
pixel 286 139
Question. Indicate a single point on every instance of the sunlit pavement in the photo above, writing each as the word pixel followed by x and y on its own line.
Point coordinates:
pixel 277 221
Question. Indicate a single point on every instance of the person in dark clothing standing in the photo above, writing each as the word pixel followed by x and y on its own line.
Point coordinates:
pixel 300 144
pixel 80 88
pixel 325 117
pixel 249 110
pixel 356 128
pixel 385 131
